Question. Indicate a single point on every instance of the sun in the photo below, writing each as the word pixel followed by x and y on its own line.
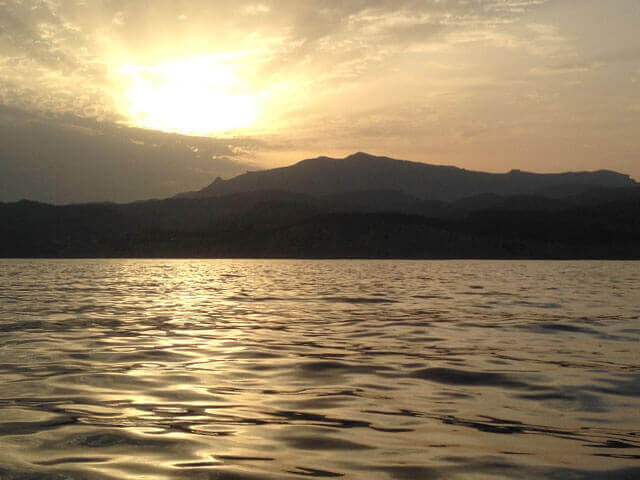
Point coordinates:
pixel 196 96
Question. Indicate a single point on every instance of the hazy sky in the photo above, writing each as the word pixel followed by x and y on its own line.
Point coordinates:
pixel 541 85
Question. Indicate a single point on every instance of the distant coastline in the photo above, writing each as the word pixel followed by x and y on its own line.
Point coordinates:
pixel 589 215
pixel 290 230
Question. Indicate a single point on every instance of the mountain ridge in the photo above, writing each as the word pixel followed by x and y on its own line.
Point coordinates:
pixel 582 215
pixel 362 171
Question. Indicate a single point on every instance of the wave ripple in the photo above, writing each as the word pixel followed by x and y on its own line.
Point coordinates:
pixel 194 369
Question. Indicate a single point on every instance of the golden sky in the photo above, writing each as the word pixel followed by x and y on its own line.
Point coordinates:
pixel 541 85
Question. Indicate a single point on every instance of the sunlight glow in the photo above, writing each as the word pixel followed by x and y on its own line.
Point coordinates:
pixel 196 96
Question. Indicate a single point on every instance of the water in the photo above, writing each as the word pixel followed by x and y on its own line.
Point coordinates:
pixel 226 369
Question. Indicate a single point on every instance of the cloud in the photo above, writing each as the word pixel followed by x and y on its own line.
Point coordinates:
pixel 70 159
pixel 622 55
pixel 564 68
pixel 472 80
pixel 74 46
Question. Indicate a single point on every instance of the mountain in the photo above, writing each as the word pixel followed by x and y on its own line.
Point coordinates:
pixel 357 207
pixel 363 172
pixel 599 223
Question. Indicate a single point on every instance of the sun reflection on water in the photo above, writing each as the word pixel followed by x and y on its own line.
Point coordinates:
pixel 371 370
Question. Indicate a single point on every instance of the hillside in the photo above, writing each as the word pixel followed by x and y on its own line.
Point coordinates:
pixel 599 223
pixel 364 172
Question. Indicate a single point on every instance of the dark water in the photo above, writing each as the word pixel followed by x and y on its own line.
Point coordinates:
pixel 238 370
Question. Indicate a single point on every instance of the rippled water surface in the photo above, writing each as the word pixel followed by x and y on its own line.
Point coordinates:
pixel 227 369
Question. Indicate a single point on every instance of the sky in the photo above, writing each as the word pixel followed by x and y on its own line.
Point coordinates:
pixel 124 100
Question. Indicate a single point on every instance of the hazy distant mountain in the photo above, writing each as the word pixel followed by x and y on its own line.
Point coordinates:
pixel 364 172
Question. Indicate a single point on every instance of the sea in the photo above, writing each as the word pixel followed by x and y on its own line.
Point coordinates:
pixel 297 369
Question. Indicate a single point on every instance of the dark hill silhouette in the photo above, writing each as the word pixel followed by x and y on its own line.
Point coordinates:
pixel 364 172
pixel 599 223
pixel 360 206
pixel 492 201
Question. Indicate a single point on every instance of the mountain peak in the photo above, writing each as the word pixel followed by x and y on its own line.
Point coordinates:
pixel 361 156
pixel 324 159
pixel 363 171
